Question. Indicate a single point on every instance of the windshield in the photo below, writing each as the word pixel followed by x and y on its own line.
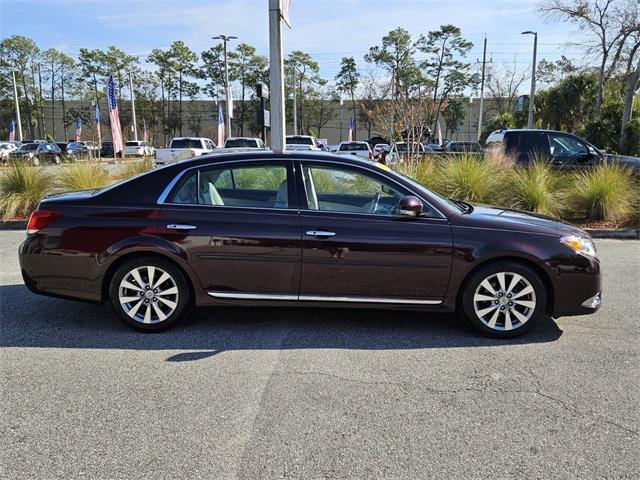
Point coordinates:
pixel 465 147
pixel 186 143
pixel 353 147
pixel 402 147
pixel 240 142
pixel 132 144
pixel 299 141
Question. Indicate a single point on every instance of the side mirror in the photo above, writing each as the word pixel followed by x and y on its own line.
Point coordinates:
pixel 410 206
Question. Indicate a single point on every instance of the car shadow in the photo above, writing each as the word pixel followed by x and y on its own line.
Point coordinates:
pixel 29 320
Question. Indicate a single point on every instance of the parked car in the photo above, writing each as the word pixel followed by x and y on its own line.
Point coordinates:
pixel 63 146
pixel 401 150
pixel 324 230
pixel 5 149
pixel 243 142
pixel 182 148
pixel 302 142
pixel 77 150
pixel 37 153
pixel 106 150
pixel 358 148
pixel 138 148
pixel 564 150
pixel 464 147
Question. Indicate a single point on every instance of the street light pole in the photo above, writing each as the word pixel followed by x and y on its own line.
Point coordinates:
pixel 276 76
pixel 533 77
pixel 15 97
pixel 227 119
pixel 484 65
pixel 133 107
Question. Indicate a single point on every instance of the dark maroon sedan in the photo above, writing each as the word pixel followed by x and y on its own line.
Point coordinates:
pixel 313 229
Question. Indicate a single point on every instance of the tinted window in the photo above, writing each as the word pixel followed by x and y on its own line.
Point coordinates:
pixel 299 141
pixel 132 144
pixel 29 146
pixel 262 186
pixel 186 143
pixel 239 142
pixel 353 147
pixel 465 147
pixel 564 145
pixel 338 189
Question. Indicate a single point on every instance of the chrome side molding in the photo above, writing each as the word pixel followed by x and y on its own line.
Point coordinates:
pixel 319 298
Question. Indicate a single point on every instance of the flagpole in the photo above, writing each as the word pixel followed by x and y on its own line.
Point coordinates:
pixel 15 96
pixel 133 108
pixel 276 69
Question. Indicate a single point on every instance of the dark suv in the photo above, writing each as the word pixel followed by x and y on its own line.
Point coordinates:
pixel 564 149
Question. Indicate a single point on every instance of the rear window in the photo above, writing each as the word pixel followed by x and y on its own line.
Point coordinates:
pixel 353 147
pixel 299 141
pixel 464 147
pixel 239 142
pixel 132 144
pixel 186 143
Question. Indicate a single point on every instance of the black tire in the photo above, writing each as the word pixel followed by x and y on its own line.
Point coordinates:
pixel 539 297
pixel 183 299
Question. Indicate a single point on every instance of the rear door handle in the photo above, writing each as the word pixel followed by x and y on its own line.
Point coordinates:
pixel 180 226
pixel 320 233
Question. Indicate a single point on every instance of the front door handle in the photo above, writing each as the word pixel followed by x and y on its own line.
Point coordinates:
pixel 180 226
pixel 320 233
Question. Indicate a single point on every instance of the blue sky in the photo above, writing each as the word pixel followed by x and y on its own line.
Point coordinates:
pixel 328 29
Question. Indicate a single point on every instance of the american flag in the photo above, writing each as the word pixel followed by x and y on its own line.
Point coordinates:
pixel 350 136
pixel 78 129
pixel 12 131
pixel 221 132
pixel 439 132
pixel 98 129
pixel 114 116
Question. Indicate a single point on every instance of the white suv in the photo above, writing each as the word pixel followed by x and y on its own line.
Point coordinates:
pixel 359 148
pixel 138 148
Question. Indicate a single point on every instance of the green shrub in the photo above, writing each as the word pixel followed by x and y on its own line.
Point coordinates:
pixel 536 188
pixel 83 176
pixel 21 189
pixel 604 193
pixel 468 178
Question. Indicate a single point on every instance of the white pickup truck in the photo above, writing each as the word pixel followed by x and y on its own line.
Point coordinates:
pixel 301 142
pixel 183 148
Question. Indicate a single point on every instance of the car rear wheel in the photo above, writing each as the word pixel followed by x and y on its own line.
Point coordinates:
pixel 150 294
pixel 504 300
pixel 36 161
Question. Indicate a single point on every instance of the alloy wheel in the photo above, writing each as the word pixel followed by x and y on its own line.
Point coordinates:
pixel 148 294
pixel 504 301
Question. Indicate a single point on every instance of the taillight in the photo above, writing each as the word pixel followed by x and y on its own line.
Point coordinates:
pixel 40 219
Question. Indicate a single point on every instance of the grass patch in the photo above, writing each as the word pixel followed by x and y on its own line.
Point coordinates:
pixel 83 176
pixel 604 193
pixel 22 186
pixel 468 178
pixel 133 168
pixel 536 188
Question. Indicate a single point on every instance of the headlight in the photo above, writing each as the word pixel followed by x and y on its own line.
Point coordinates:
pixel 582 245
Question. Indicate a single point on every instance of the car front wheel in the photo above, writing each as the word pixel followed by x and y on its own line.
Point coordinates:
pixel 504 300
pixel 150 294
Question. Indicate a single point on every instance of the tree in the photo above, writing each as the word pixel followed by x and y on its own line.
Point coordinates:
pixel 447 73
pixel 504 85
pixel 321 108
pixel 182 60
pixel 396 56
pixel 18 52
pixel 347 81
pixel 166 78
pixel 55 62
pixel 212 70
pixel 454 115
pixel 300 66
pixel 606 23
pixel 631 74
pixel 246 67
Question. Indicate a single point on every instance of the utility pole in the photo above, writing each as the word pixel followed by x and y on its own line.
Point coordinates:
pixel 276 76
pixel 295 103
pixel 484 64
pixel 533 77
pixel 227 118
pixel 133 107
pixel 341 105
pixel 15 97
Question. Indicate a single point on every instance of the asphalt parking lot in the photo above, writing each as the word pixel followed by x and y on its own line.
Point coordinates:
pixel 302 393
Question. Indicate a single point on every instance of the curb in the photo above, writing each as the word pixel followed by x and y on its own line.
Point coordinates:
pixel 616 233
pixel 13 225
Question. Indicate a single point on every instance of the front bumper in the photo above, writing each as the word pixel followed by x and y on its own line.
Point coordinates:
pixel 577 287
